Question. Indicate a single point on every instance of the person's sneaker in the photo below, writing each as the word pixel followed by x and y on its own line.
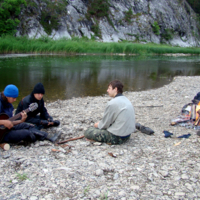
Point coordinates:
pixel 137 126
pixel 53 137
pixel 56 123
pixel 144 129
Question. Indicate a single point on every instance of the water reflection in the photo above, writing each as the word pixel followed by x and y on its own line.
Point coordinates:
pixel 78 76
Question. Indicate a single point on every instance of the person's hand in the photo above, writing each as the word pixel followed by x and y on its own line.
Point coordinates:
pixel 24 116
pixel 50 123
pixel 8 124
pixel 50 120
pixel 96 124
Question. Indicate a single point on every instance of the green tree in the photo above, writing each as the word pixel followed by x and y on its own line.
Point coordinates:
pixel 52 13
pixel 156 28
pixel 98 8
pixel 9 12
pixel 195 4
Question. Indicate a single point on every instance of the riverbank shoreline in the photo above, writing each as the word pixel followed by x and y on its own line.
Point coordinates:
pixel 8 55
pixel 145 167
pixel 74 46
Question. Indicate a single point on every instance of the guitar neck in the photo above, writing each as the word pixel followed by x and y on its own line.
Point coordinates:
pixel 18 115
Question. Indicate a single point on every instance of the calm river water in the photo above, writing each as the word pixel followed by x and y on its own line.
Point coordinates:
pixel 65 77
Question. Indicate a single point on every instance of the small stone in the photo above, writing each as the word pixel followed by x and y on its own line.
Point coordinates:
pixel 185 177
pixel 139 169
pixel 135 187
pixel 36 145
pixel 122 193
pixel 33 198
pixel 41 143
pixel 49 197
pixel 97 192
pixel 99 172
pixel 189 186
pixel 116 176
pixel 6 156
pixel 164 173
pixel 152 164
pixel 97 143
pixel 179 194
pixel 23 197
pixel 177 178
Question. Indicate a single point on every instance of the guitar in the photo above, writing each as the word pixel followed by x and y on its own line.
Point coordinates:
pixel 3 129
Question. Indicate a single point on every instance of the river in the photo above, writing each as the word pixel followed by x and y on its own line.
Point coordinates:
pixel 65 77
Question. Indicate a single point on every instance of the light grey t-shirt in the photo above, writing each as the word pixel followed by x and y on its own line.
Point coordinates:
pixel 119 117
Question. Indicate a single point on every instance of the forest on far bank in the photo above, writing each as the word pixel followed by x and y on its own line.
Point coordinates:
pixel 195 4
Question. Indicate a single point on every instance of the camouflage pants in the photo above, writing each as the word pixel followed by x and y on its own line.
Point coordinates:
pixel 104 136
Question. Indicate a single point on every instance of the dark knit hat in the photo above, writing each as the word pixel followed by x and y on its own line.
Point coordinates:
pixel 39 89
pixel 11 91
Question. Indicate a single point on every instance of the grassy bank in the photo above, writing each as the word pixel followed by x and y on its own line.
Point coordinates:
pixel 9 44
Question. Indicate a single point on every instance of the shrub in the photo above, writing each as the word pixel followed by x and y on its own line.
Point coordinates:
pixel 95 28
pixel 9 12
pixel 98 9
pixel 156 28
pixel 49 22
pixel 168 34
pixel 128 16
pixel 51 14
pixel 195 4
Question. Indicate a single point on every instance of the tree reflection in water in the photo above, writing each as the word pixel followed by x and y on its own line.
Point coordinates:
pixel 65 77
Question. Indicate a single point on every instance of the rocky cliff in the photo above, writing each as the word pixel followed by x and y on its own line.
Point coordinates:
pixel 158 21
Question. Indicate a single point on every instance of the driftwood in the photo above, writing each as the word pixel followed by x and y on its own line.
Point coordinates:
pixel 71 139
pixel 5 146
pixel 149 106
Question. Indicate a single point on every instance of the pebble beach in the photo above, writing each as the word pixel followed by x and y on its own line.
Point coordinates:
pixel 145 167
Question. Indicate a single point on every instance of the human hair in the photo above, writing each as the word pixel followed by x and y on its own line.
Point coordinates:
pixel 117 84
pixel 3 97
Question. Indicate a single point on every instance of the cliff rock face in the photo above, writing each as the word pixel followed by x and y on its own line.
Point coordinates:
pixel 158 21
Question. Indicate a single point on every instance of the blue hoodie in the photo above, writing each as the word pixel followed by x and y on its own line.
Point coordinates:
pixel 5 107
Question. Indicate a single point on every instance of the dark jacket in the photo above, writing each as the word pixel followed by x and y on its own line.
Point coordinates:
pixel 197 96
pixel 31 116
pixel 5 107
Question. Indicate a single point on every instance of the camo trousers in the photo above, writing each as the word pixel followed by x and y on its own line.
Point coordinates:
pixel 104 136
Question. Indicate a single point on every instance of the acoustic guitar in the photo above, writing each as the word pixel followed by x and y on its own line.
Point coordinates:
pixel 3 129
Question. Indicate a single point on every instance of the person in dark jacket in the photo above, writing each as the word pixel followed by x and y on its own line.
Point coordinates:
pixel 40 117
pixel 16 131
pixel 196 98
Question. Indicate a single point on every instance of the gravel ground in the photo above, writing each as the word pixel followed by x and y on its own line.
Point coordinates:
pixel 145 167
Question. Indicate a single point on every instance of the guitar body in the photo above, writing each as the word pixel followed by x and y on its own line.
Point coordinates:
pixel 4 116
pixel 3 129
